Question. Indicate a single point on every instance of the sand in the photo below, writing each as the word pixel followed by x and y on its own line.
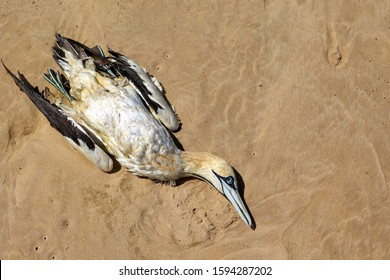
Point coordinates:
pixel 294 94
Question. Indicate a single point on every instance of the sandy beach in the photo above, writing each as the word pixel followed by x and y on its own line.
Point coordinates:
pixel 295 95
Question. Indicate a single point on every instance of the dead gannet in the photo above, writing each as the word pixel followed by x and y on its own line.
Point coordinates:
pixel 113 107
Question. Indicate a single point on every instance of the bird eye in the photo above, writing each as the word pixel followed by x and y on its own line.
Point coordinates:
pixel 229 180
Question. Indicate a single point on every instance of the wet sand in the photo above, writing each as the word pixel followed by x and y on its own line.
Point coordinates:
pixel 294 94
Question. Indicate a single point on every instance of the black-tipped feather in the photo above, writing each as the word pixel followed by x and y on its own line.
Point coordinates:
pixel 81 51
pixel 56 117
pixel 98 50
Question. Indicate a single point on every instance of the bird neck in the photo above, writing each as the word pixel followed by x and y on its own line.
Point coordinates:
pixel 196 164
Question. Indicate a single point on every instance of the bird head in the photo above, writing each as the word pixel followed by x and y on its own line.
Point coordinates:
pixel 219 174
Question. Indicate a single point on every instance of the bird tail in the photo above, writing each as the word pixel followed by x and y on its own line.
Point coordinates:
pixel 59 81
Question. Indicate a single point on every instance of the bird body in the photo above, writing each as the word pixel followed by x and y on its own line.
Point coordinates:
pixel 116 109
pixel 130 133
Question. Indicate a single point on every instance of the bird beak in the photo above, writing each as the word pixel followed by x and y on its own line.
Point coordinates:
pixel 234 197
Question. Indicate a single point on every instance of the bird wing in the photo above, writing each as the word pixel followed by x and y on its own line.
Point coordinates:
pixel 78 136
pixel 148 87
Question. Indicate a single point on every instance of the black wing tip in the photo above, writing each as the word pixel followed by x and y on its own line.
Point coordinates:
pixel 56 117
pixel 16 79
pixel 20 81
pixel 98 50
pixel 7 69
pixel 115 54
pixel 58 36
pixel 58 53
pixel 61 39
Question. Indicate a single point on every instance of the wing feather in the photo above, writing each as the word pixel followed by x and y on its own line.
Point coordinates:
pixel 72 131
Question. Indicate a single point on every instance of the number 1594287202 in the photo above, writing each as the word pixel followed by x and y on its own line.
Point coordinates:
pixel 242 270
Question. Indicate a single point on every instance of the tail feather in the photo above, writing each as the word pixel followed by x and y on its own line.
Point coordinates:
pixel 59 82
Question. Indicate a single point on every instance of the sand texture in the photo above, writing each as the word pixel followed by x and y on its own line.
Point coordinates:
pixel 294 94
